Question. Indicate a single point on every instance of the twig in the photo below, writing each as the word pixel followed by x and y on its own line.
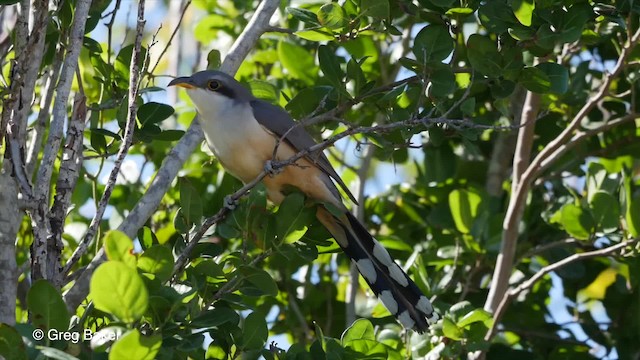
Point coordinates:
pixel 134 72
pixel 546 247
pixel 70 168
pixel 45 110
pixel 514 292
pixel 231 285
pixel 109 26
pixel 173 34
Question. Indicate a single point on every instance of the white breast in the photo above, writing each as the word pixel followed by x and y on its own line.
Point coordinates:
pixel 239 142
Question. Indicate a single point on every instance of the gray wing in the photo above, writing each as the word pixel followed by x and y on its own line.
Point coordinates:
pixel 278 121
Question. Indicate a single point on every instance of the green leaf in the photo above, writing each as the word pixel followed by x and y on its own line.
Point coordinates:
pixel 11 344
pixel 464 206
pixel 523 9
pixel 118 289
pixel 577 222
pixel 293 218
pixel 119 247
pixel 605 210
pixel 461 12
pixel 135 346
pixel 153 113
pixel 361 329
pixel 535 80
pixel 330 65
pixel 191 202
pixel 254 332
pixel 98 142
pixel 216 317
pixel 209 27
pixel 123 60
pixel 484 56
pixel 314 35
pixel 169 135
pixel 332 16
pixel 432 44
pixel 307 101
pixel 546 37
pixel 558 76
pixel 304 15
pixel 53 353
pixel 443 82
pixel 477 315
pixel 91 45
pixel 157 260
pixel 468 106
pixel 214 60
pixel 260 279
pixel 48 310
pixel 496 16
pixel 264 90
pixel 451 330
pixel 375 8
pixel 633 216
pixel 574 21
pixel 297 60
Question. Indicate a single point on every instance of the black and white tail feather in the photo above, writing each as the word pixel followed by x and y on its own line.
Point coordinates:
pixel 399 294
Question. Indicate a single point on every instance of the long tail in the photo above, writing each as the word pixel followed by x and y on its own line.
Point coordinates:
pixel 399 294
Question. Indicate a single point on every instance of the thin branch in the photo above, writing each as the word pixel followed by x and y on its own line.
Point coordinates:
pixel 135 72
pixel 173 34
pixel 51 78
pixel 529 283
pixel 70 168
pixel 547 247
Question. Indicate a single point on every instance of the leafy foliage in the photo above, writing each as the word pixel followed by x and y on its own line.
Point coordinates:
pixel 432 92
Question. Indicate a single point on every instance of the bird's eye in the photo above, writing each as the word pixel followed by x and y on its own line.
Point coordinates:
pixel 214 85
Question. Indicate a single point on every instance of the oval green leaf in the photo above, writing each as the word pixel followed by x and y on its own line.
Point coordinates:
pixel 118 289
pixel 48 310
pixel 134 346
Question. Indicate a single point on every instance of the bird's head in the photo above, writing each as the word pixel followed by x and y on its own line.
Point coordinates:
pixel 213 91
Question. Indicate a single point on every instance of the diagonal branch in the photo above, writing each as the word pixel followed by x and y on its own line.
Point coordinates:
pixel 528 284
pixel 546 156
pixel 134 71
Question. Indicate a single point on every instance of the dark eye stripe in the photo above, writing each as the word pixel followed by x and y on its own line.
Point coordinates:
pixel 226 91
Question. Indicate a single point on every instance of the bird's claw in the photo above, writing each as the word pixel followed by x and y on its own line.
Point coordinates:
pixel 230 203
pixel 270 169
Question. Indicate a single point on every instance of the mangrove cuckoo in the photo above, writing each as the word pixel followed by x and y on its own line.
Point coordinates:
pixel 243 131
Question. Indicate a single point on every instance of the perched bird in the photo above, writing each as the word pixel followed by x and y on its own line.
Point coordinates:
pixel 242 131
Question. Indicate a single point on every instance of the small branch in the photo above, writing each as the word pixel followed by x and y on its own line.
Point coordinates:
pixel 45 111
pixel 135 73
pixel 70 168
pixel 528 284
pixel 232 285
pixel 547 247
pixel 173 34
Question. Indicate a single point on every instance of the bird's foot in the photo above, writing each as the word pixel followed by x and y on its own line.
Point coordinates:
pixel 230 203
pixel 270 169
